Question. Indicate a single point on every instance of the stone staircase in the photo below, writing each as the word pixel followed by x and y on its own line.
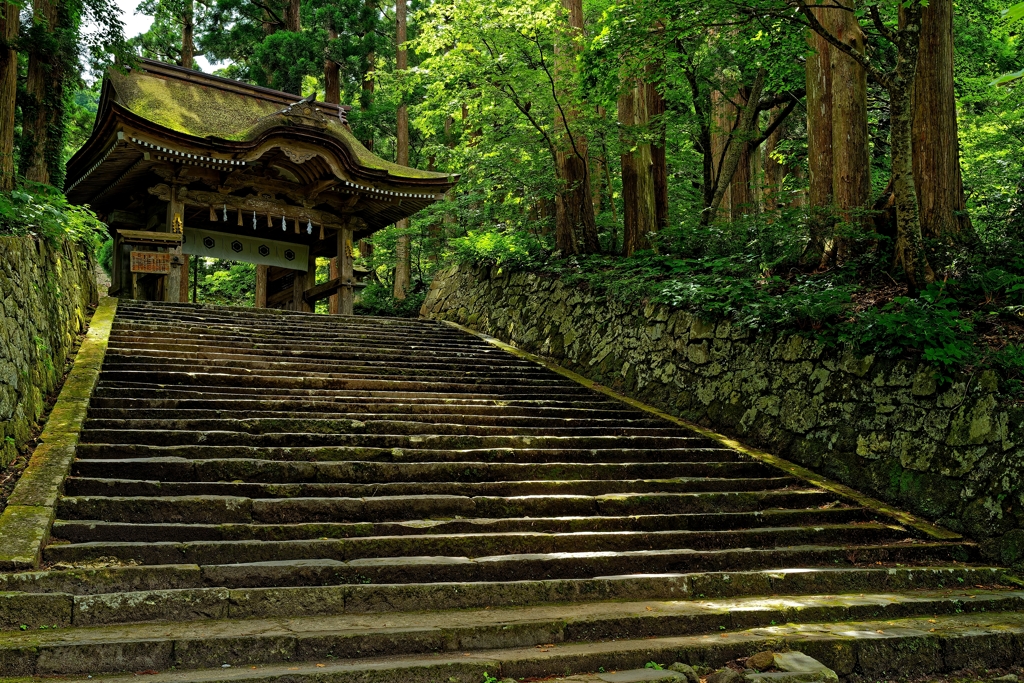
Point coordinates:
pixel 268 496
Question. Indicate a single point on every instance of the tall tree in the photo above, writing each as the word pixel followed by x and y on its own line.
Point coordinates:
pixel 940 189
pixel 638 187
pixel 575 228
pixel 403 254
pixel 850 162
pixel 899 83
pixel 8 90
pixel 43 106
pixel 819 134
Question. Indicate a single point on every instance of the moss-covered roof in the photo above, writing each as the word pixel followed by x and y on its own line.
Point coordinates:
pixel 205 110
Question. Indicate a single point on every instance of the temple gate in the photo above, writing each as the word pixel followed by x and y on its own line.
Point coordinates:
pixel 182 163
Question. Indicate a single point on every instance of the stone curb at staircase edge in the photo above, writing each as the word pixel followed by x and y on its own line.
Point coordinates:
pixel 923 526
pixel 26 521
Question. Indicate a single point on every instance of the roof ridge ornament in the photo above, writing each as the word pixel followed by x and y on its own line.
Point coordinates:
pixel 305 112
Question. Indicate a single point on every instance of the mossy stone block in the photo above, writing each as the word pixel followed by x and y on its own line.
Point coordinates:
pixel 43 479
pixel 23 531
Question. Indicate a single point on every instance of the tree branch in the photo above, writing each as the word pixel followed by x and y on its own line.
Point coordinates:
pixel 816 26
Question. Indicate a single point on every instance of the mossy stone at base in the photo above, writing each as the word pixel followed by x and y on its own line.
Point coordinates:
pixel 23 531
pixel 41 483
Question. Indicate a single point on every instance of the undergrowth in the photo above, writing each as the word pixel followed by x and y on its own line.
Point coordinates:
pixel 752 273
pixel 42 211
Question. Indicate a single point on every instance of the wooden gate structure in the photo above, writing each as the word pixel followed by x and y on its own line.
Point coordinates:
pixel 184 163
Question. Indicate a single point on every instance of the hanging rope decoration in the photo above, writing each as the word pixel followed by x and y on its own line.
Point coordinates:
pixel 297 232
pixel 283 226
pixel 309 227
pixel 213 214
pixel 253 220
pixel 225 213
pixel 321 231
pixel 239 222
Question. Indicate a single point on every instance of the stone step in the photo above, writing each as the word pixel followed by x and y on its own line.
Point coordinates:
pixel 622 627
pixel 469 383
pixel 310 567
pixel 310 586
pixel 185 419
pixel 411 453
pixel 238 509
pixel 414 440
pixel 474 545
pixel 143 390
pixel 391 425
pixel 370 357
pixel 184 407
pixel 873 649
pixel 89 530
pixel 86 486
pixel 428 473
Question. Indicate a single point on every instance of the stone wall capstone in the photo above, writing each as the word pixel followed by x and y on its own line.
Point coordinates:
pixel 45 293
pixel 953 454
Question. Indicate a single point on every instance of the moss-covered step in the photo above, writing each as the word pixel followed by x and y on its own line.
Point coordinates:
pixel 869 647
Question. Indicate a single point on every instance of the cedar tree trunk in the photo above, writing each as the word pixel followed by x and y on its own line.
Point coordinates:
pixel 403 255
pixel 575 228
pixel 188 29
pixel 940 190
pixel 8 91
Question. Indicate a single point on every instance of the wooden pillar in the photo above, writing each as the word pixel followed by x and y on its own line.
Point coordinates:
pixel 175 224
pixel 261 286
pixel 334 301
pixel 303 281
pixel 183 292
pixel 346 296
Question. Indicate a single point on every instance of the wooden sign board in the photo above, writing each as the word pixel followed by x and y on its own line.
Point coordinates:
pixel 151 262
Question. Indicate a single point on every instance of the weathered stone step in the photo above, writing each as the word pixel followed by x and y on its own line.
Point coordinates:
pixel 887 648
pixel 90 530
pixel 431 441
pixel 86 486
pixel 369 355
pixel 519 567
pixel 239 318
pixel 368 472
pixel 244 643
pixel 412 453
pixel 394 424
pixel 324 348
pixel 474 545
pixel 470 383
pixel 321 368
pixel 234 509
pixel 297 340
pixel 144 390
pixel 183 407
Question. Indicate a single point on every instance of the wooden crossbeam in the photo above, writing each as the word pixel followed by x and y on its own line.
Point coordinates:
pixel 329 288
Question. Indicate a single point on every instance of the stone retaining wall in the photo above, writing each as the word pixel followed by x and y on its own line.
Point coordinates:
pixel 45 292
pixel 952 454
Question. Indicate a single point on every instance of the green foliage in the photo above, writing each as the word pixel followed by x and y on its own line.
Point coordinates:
pixel 42 211
pixel 931 324
pixel 654 665
pixel 515 249
pixel 377 299
pixel 226 283
pixel 105 256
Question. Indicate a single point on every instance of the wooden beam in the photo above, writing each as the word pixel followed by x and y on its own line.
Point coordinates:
pixel 261 205
pixel 314 294
pixel 332 306
pixel 159 239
